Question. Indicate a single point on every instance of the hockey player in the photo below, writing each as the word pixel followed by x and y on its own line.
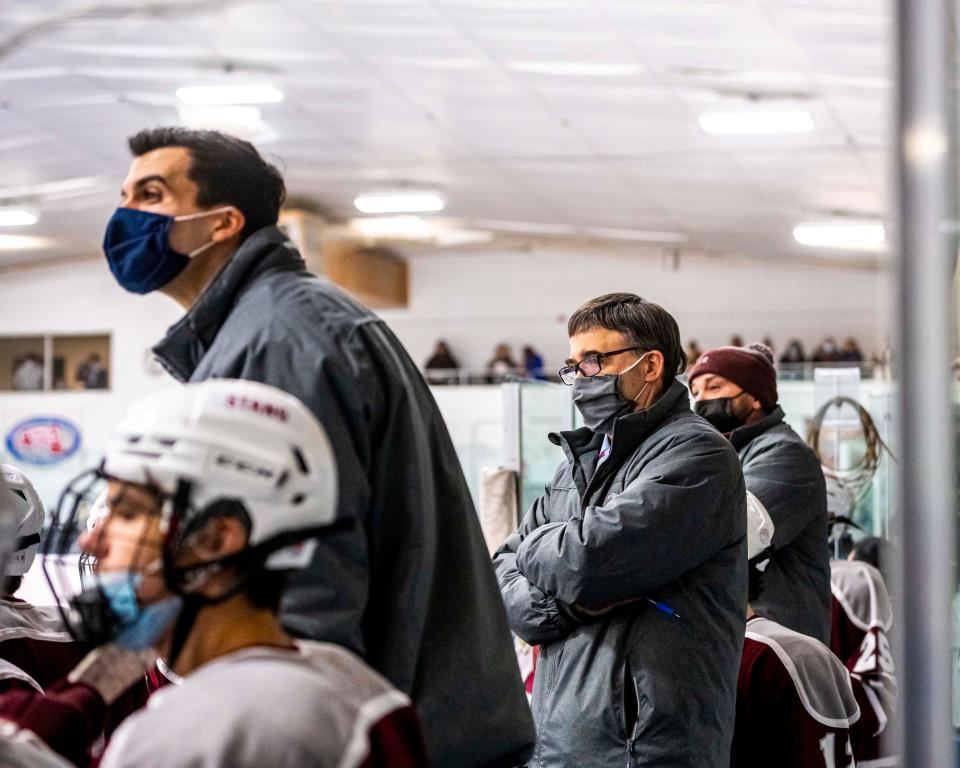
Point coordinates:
pixel 795 705
pixel 32 638
pixel 216 490
pixel 862 617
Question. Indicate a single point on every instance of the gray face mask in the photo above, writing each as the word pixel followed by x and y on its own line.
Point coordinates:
pixel 599 400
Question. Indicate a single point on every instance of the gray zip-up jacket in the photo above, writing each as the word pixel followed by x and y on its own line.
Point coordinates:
pixel 664 517
pixel 783 473
pixel 410 588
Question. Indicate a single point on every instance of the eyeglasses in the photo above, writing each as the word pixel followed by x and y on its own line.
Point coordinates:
pixel 590 365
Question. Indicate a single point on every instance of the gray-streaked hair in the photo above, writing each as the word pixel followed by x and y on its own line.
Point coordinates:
pixel 646 324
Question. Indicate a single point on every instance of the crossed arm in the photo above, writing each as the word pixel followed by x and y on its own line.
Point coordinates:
pixel 555 575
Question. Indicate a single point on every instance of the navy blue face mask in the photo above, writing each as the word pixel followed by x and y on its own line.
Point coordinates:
pixel 137 247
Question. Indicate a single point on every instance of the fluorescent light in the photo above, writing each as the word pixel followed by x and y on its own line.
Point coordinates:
pixel 575 68
pixel 16 218
pixel 755 123
pixel 399 202
pixel 394 228
pixel 218 95
pixel 844 235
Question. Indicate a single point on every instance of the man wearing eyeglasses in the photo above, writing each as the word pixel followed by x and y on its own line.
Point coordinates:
pixel 630 570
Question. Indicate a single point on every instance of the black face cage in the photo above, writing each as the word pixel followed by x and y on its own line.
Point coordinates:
pixel 72 575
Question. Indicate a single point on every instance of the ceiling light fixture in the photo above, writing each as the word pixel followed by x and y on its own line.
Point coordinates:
pixel 16 218
pixel 394 228
pixel 756 123
pixel 219 95
pixel 843 235
pixel 410 201
pixel 574 68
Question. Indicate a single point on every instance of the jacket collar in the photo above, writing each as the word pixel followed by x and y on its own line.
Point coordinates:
pixel 628 431
pixel 188 340
pixel 743 435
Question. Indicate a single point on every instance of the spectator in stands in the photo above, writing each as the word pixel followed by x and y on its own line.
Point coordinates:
pixel 441 359
pixel 28 373
pixel 736 340
pixel 693 351
pixel 827 351
pixel 533 363
pixel 502 365
pixel 442 366
pixel 794 352
pixel 768 343
pixel 850 352
pixel 91 373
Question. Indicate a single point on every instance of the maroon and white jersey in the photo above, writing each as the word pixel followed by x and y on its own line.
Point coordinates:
pixel 795 706
pixel 34 639
pixel 317 704
pixel 862 617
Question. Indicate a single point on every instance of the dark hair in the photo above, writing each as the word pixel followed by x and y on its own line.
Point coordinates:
pixel 226 170
pixel 646 324
pixel 873 550
pixel 10 585
pixel 756 573
pixel 263 587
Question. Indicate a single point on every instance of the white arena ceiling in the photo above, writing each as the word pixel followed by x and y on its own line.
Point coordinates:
pixel 568 118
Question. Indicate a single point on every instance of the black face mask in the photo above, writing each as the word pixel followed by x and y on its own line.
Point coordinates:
pixel 719 412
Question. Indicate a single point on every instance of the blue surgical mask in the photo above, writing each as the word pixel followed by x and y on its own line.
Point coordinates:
pixel 137 247
pixel 139 627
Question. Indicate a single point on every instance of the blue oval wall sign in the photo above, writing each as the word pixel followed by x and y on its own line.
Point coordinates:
pixel 43 441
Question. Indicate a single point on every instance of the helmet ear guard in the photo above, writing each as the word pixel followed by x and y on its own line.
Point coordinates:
pixel 760 548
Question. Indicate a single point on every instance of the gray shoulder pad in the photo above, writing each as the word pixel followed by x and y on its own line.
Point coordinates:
pixel 33 622
pixel 862 593
pixel 10 671
pixel 821 680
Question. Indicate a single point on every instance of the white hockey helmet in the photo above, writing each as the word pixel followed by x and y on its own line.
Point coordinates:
pixel 21 498
pixel 234 440
pixel 759 527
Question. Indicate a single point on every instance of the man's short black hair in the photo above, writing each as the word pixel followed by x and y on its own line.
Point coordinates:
pixel 226 170
pixel 646 324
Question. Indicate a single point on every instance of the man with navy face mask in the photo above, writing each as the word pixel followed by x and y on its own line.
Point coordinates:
pixel 410 587
pixel 630 571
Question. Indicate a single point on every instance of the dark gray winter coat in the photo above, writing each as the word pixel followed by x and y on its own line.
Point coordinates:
pixel 410 588
pixel 783 473
pixel 664 517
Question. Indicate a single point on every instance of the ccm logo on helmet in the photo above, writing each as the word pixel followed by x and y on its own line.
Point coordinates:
pixel 249 404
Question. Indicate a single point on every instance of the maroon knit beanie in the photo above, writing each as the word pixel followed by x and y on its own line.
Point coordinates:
pixel 750 368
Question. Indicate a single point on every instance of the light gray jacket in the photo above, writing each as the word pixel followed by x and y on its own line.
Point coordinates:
pixel 783 473
pixel 410 588
pixel 663 517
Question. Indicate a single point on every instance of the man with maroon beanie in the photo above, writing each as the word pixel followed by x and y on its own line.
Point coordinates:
pixel 735 389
